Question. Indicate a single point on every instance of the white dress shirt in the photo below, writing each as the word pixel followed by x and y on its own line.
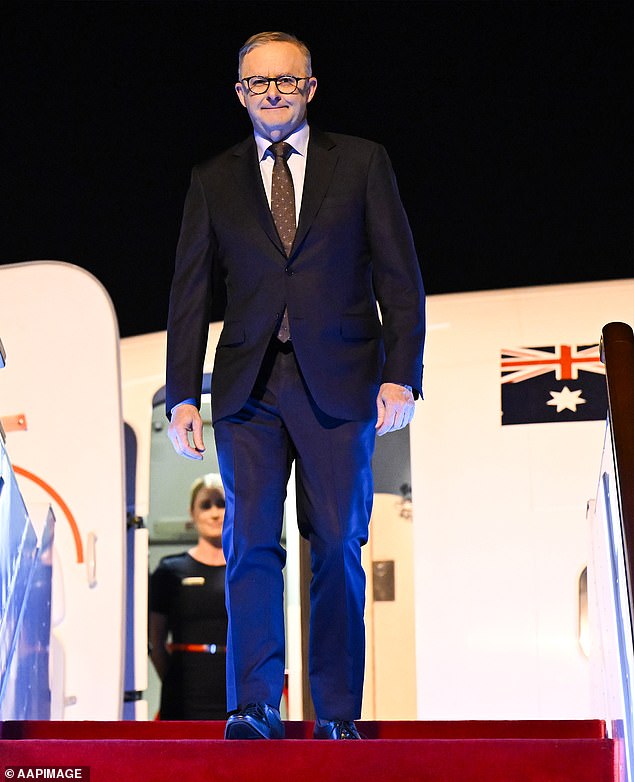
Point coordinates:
pixel 296 162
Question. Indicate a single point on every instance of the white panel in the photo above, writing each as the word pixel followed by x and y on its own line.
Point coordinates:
pixel 293 604
pixel 141 551
pixel 141 711
pixel 500 531
pixel 61 335
pixel 389 691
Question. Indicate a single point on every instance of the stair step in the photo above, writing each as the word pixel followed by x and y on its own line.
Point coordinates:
pixel 387 760
pixel 398 729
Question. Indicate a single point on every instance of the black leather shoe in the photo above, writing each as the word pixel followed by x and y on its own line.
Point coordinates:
pixel 255 721
pixel 335 729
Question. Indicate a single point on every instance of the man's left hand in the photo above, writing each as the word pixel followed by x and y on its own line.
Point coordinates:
pixel 394 406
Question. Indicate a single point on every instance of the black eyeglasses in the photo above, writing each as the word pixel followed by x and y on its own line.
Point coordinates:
pixel 258 85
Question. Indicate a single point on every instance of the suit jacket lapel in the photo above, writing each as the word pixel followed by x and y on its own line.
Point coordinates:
pixel 320 164
pixel 247 172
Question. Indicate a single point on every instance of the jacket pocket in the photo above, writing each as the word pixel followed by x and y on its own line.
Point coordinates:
pixel 360 327
pixel 232 334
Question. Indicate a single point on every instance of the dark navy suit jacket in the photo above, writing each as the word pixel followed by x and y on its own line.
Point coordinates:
pixel 353 248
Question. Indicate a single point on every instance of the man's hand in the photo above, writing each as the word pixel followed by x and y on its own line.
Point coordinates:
pixel 394 407
pixel 186 419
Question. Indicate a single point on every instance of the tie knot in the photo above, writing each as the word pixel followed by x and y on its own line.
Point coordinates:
pixel 281 149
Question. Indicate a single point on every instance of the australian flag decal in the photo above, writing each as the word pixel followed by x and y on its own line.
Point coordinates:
pixel 559 383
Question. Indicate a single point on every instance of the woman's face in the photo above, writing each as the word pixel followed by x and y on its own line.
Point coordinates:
pixel 207 515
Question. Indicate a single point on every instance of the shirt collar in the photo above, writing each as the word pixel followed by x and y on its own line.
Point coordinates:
pixel 298 140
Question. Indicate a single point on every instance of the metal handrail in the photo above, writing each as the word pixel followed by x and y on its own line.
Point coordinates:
pixel 617 353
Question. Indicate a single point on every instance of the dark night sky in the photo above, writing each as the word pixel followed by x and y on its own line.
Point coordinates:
pixel 509 125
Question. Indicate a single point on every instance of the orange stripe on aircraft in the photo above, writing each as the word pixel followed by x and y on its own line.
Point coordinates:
pixel 65 509
pixel 14 423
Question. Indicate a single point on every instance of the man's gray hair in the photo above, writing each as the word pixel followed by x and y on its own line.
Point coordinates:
pixel 259 39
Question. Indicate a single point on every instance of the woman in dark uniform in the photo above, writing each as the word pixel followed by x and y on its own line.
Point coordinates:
pixel 188 619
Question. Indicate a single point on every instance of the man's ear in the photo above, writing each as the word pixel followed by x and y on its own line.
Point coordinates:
pixel 312 87
pixel 240 93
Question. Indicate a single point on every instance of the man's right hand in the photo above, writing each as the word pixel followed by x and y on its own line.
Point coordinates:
pixel 186 419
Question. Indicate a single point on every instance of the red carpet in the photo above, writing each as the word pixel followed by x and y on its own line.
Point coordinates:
pixel 567 751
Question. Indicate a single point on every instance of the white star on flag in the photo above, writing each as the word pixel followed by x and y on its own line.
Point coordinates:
pixel 566 399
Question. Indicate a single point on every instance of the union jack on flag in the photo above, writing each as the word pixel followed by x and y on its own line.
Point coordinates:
pixel 557 383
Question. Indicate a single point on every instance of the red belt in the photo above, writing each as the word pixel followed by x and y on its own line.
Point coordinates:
pixel 206 648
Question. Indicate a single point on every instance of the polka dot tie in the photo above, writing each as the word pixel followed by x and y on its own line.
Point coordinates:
pixel 283 211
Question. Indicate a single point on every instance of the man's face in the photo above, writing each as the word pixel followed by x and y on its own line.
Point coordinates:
pixel 276 116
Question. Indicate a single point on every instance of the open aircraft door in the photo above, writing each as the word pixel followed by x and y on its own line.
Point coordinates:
pixel 61 409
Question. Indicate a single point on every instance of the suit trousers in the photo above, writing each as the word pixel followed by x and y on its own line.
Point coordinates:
pixel 279 424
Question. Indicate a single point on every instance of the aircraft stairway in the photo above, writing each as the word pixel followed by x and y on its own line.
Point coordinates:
pixel 523 751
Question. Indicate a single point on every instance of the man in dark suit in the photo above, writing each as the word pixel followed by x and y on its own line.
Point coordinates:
pixel 309 233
